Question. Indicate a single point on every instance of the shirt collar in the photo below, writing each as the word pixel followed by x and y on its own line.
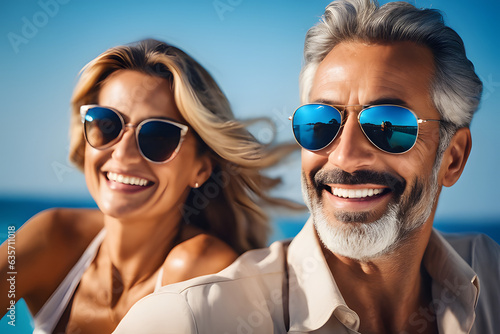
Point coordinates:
pixel 313 293
pixel 455 286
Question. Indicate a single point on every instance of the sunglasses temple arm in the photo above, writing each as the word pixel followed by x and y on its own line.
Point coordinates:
pixel 429 120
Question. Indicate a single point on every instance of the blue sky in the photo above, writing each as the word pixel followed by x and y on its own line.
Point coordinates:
pixel 252 48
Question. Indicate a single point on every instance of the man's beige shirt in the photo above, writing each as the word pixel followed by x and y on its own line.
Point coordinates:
pixel 247 296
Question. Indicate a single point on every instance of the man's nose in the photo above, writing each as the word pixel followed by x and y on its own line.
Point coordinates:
pixel 351 150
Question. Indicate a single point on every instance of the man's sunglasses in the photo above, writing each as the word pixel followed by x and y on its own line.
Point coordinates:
pixel 158 140
pixel 390 128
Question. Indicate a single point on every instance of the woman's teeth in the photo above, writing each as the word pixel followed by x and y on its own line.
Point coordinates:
pixel 131 180
pixel 356 193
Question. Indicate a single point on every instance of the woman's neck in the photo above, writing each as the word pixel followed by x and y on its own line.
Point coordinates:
pixel 137 249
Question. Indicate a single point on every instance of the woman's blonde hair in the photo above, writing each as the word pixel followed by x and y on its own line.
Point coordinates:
pixel 229 204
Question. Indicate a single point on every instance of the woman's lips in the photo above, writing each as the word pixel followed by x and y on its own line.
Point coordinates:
pixel 125 179
pixel 128 183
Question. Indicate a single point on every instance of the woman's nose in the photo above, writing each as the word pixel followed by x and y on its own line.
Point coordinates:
pixel 126 150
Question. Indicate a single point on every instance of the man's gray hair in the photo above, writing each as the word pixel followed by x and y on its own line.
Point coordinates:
pixel 456 89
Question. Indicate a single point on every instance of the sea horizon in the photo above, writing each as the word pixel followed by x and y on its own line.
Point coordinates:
pixel 17 210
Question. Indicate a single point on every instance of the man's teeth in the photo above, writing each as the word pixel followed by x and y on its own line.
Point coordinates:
pixel 131 180
pixel 356 193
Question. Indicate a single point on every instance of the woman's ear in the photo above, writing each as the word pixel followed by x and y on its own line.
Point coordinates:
pixel 456 156
pixel 204 170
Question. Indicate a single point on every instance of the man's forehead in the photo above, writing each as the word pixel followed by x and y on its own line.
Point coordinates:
pixel 352 70
pixel 411 51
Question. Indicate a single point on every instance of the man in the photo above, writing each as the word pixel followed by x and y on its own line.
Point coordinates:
pixel 388 97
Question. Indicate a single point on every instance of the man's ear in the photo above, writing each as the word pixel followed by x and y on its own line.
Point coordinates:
pixel 456 156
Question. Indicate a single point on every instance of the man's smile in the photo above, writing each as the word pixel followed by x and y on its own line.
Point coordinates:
pixel 355 193
pixel 358 198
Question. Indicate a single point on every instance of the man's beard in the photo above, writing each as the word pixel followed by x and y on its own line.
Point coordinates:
pixel 354 236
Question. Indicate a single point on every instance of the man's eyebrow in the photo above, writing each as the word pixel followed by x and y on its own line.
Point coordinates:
pixel 378 101
pixel 388 100
pixel 325 101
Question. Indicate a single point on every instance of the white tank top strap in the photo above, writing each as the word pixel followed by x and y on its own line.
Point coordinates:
pixel 47 318
pixel 159 279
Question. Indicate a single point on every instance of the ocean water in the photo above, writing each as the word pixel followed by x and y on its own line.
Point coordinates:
pixel 16 211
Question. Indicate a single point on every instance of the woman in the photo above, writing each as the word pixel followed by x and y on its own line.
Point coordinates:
pixel 177 181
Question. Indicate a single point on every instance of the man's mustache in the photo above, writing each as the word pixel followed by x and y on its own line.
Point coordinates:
pixel 338 176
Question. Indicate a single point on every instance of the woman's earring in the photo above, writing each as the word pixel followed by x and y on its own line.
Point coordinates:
pixel 196 185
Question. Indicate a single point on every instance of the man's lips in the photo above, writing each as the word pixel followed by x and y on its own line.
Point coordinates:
pixel 356 193
pixel 358 198
pixel 362 185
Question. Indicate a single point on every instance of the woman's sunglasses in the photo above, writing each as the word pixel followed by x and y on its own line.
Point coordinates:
pixel 158 140
pixel 390 128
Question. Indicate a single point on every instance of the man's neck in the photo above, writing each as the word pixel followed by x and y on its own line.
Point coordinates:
pixel 388 292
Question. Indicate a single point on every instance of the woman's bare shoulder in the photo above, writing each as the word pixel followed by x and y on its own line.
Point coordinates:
pixel 63 225
pixel 48 246
pixel 198 254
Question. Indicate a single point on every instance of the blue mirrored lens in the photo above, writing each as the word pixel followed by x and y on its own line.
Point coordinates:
pixel 102 126
pixel 393 129
pixel 158 140
pixel 315 126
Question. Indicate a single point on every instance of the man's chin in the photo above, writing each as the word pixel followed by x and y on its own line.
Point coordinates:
pixel 349 217
pixel 355 237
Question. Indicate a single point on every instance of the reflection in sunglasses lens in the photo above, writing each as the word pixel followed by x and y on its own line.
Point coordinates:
pixel 393 129
pixel 315 125
pixel 102 126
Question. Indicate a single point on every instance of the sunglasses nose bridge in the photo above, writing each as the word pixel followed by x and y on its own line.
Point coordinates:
pixel 130 125
pixel 350 123
pixel 351 150
pixel 134 132
pixel 127 147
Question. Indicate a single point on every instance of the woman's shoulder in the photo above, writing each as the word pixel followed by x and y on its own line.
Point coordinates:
pixel 48 246
pixel 198 253
pixel 64 226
